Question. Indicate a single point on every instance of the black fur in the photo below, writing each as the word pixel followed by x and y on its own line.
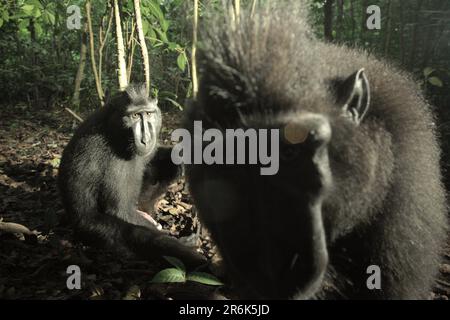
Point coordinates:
pixel 376 189
pixel 159 173
pixel 101 177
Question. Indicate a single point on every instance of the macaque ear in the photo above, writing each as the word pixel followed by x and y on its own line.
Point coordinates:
pixel 354 96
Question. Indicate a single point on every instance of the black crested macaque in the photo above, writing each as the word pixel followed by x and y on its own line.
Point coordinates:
pixel 112 157
pixel 358 184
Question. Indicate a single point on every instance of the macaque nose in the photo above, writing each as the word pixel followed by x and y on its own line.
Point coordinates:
pixel 145 133
pixel 308 127
pixel 146 140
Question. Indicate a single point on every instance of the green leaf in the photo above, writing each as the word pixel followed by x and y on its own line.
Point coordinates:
pixel 23 25
pixel 55 162
pixel 36 13
pixel 173 46
pixel 1 22
pixel 205 278
pixel 49 17
pixel 181 61
pixel 5 15
pixel 36 3
pixel 427 71
pixel 155 93
pixel 162 35
pixel 38 29
pixel 155 10
pixel 165 25
pixel 169 275
pixel 176 263
pixel 28 9
pixel 145 26
pixel 152 36
pixel 435 81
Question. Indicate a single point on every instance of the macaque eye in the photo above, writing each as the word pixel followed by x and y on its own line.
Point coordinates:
pixel 135 115
pixel 149 113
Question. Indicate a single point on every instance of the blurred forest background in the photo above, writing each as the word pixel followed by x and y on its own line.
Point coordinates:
pixel 60 59
pixel 47 63
pixel 44 63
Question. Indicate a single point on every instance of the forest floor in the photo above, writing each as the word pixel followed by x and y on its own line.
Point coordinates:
pixel 34 267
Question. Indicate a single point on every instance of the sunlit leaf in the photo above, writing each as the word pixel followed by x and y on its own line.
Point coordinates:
pixel 181 61
pixel 36 13
pixel 23 25
pixel 204 278
pixel 38 29
pixel 55 162
pixel 145 26
pixel 173 46
pixel 28 9
pixel 36 3
pixel 162 35
pixel 165 25
pixel 49 17
pixel 169 275
pixel 155 10
pixel 435 81
pixel 152 35
pixel 427 71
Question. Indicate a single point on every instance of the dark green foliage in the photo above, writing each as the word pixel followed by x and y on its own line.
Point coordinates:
pixel 40 56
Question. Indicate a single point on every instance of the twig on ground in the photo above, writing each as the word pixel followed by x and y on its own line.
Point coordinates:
pixel 74 114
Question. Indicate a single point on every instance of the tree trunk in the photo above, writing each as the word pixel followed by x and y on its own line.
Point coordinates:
pixel 252 12
pixel 98 84
pixel 35 63
pixel 103 37
pixel 130 61
pixel 80 73
pixel 130 49
pixel 122 71
pixel 194 51
pixel 56 45
pixel 143 45
pixel 237 8
pixel 328 20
